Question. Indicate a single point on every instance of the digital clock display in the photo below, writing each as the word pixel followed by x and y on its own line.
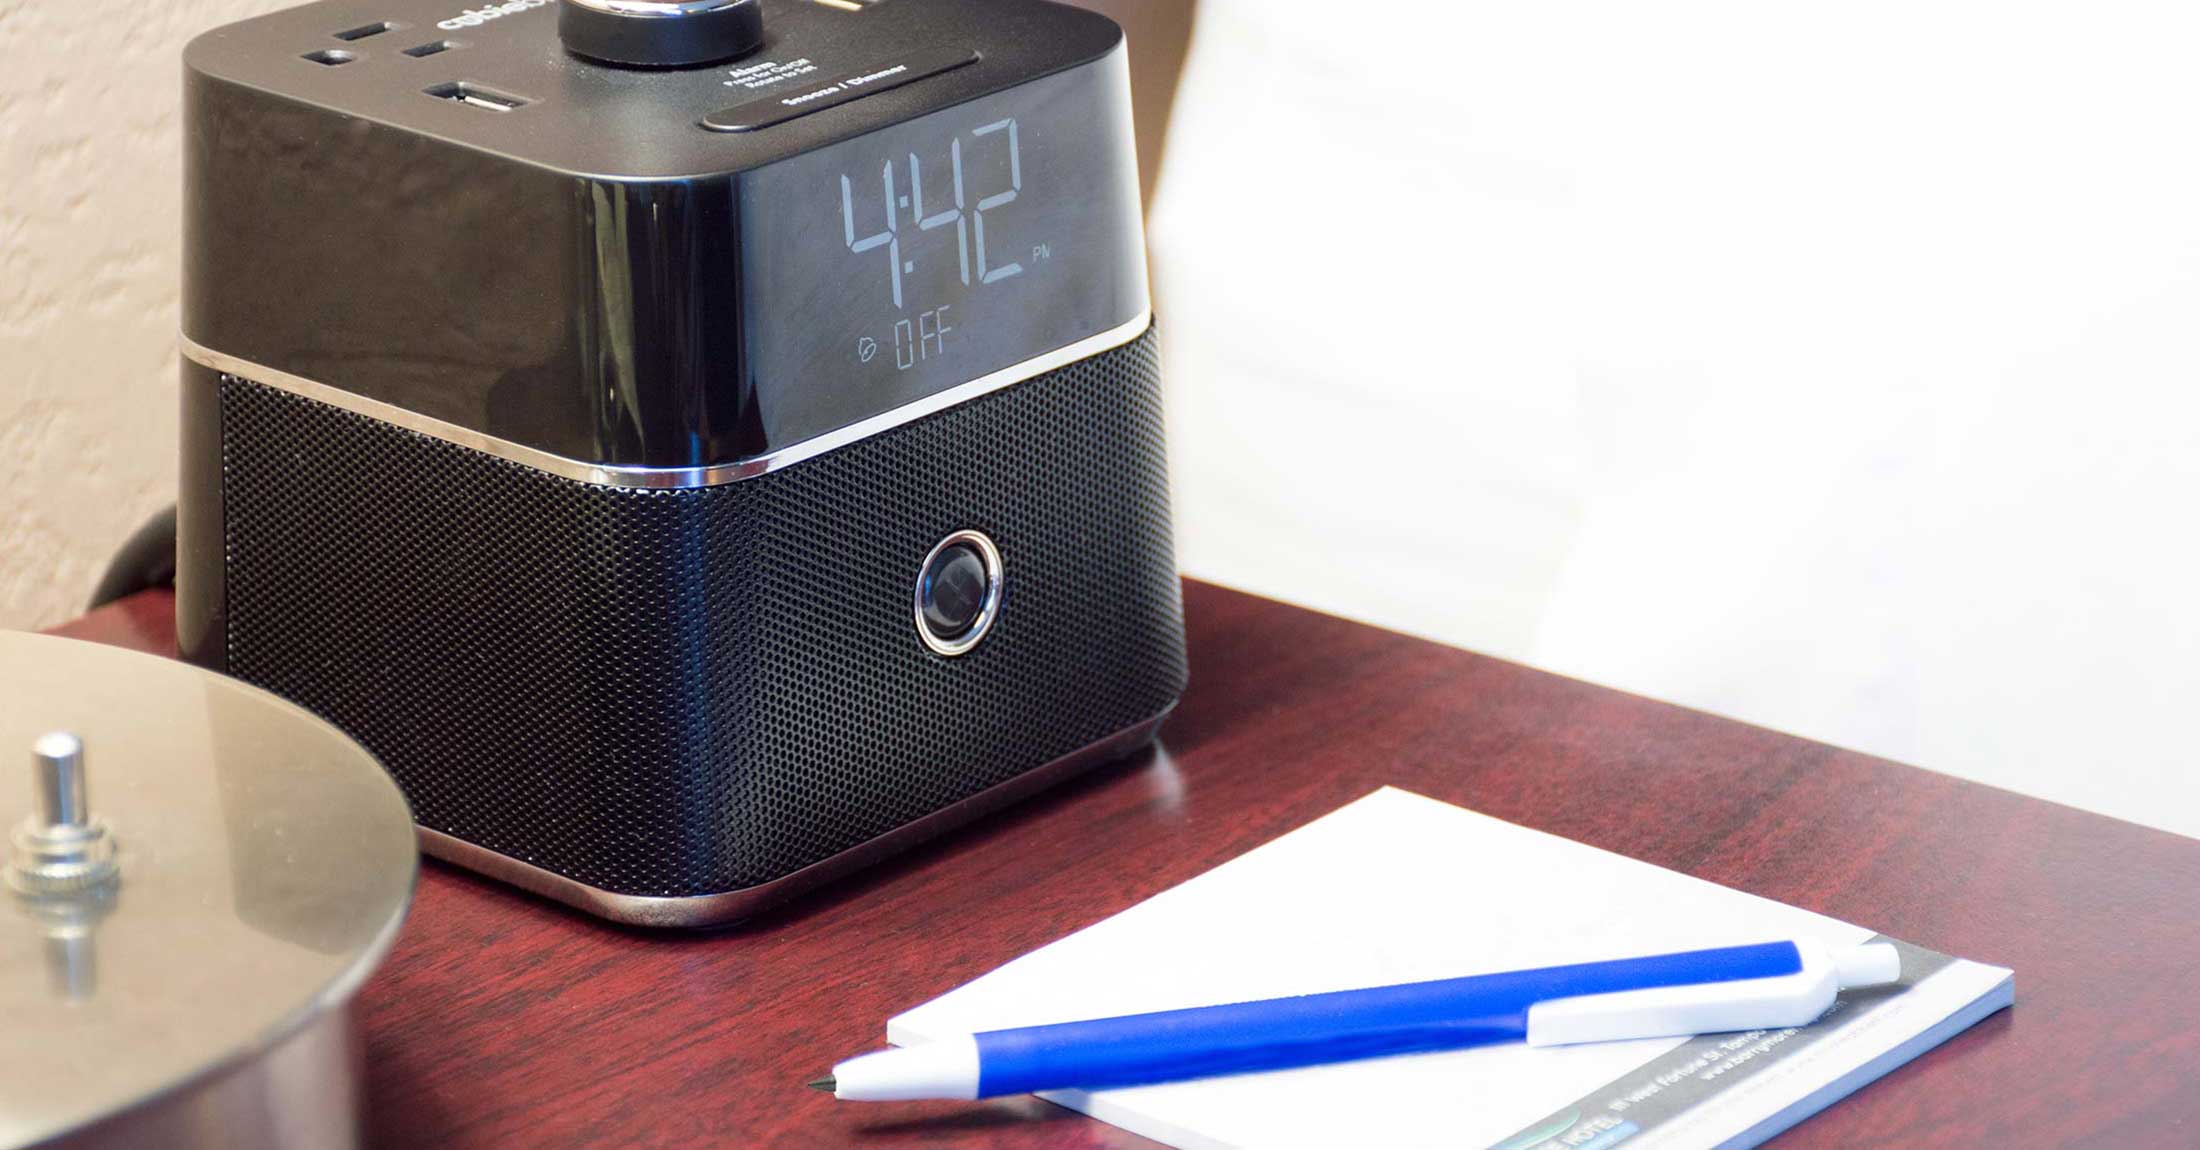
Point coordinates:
pixel 904 263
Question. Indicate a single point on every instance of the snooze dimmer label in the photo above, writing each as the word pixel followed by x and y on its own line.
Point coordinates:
pixel 767 73
pixel 814 95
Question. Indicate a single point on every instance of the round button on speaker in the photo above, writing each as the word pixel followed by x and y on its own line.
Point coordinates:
pixel 958 592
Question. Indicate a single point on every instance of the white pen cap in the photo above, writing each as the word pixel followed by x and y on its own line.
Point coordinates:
pixel 1872 964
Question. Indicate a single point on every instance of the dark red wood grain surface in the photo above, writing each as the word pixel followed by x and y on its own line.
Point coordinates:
pixel 503 1020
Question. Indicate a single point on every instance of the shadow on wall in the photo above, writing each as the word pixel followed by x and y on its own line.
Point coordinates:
pixel 1831 371
pixel 1160 35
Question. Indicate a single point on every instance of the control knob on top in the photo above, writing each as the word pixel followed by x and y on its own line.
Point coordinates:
pixel 660 33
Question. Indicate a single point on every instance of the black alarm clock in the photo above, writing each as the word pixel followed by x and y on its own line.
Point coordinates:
pixel 699 447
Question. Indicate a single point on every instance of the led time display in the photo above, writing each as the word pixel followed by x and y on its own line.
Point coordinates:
pixel 903 263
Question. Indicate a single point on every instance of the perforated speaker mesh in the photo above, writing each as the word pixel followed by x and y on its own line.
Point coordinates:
pixel 688 692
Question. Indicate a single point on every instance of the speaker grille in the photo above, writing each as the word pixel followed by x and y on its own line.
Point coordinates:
pixel 689 692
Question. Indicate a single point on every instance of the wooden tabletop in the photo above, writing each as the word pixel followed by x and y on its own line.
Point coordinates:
pixel 502 1020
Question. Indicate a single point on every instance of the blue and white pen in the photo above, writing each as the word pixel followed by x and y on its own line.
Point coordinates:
pixel 1760 986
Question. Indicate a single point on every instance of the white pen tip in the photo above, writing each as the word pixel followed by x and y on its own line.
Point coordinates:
pixel 1873 964
pixel 945 1068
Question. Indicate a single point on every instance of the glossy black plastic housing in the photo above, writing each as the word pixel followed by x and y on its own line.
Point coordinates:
pixel 565 274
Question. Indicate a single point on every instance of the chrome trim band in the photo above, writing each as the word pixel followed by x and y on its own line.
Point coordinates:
pixel 988 555
pixel 733 905
pixel 607 475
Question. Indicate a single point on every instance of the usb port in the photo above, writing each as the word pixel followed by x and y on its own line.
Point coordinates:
pixel 365 30
pixel 467 92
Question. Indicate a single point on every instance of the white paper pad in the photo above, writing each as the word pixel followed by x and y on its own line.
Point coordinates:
pixel 1397 888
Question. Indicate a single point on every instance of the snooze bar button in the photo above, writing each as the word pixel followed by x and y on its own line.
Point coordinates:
pixel 840 89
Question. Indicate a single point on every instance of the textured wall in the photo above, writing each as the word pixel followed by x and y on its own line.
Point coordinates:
pixel 89 103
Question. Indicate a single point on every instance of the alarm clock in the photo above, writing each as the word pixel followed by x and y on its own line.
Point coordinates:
pixel 697 446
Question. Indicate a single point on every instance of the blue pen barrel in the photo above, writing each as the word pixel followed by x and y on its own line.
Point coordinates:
pixel 1341 1026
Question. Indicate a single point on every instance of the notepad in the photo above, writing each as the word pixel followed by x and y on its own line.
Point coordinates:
pixel 1396 887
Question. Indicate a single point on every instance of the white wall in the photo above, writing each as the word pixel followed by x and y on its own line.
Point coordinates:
pixel 89 98
pixel 1831 367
